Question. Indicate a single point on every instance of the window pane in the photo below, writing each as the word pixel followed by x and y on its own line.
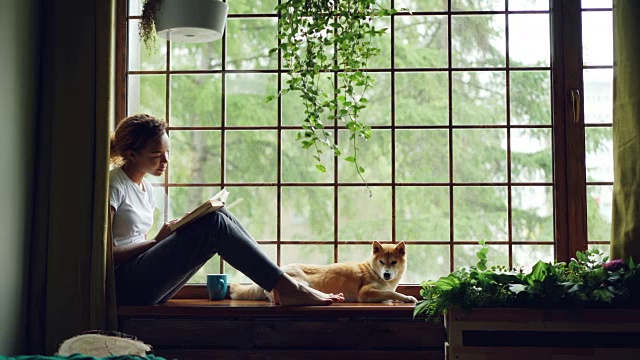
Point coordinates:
pixel 354 252
pixel 383 42
pixel 422 156
pixel 196 56
pixel 135 7
pixel 599 153
pixel 598 96
pixel 480 213
pixel 246 99
pixel 525 256
pixel 421 41
pixel 374 155
pixel 253 7
pixel 486 5
pixel 361 217
pixel 196 100
pixel 196 157
pixel 599 212
pixel 478 41
pixel 307 254
pixel 530 97
pixel 597 4
pixel 422 213
pixel 249 42
pixel 307 213
pixel 299 165
pixel 527 50
pixel 259 146
pixel 378 110
pixel 210 267
pixel 531 155
pixel 479 155
pixel 532 213
pixel 422 98
pixel 146 94
pixel 465 255
pixel 421 5
pixel 184 199
pixel 479 98
pixel 139 57
pixel 597 38
pixel 255 207
pixel 426 262
pixel 520 5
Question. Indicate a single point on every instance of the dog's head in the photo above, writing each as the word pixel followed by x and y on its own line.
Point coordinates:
pixel 389 261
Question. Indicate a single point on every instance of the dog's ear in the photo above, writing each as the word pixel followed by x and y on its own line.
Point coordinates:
pixel 377 247
pixel 400 248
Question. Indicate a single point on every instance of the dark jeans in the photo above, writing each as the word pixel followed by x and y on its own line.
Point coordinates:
pixel 157 274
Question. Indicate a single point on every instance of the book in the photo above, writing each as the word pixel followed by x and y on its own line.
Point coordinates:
pixel 216 202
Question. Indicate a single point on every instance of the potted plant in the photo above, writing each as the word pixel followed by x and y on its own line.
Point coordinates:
pixel 585 296
pixel 325 44
pixel 182 20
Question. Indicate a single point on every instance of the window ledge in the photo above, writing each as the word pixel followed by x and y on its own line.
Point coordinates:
pixel 208 308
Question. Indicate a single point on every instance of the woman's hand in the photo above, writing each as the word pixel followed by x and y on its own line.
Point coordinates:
pixel 165 230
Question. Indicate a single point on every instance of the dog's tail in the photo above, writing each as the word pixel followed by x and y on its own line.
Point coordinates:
pixel 246 292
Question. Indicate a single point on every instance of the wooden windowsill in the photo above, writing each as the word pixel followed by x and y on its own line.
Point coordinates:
pixel 200 291
pixel 208 308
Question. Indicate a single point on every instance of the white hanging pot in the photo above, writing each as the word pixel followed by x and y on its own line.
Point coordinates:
pixel 191 21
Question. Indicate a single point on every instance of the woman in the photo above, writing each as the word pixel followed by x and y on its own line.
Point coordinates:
pixel 151 271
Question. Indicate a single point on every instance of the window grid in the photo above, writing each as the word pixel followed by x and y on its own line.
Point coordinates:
pixel 393 127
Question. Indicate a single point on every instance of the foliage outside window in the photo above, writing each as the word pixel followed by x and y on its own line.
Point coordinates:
pixel 461 147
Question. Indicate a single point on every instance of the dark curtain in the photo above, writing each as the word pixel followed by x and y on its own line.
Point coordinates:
pixel 68 287
pixel 625 227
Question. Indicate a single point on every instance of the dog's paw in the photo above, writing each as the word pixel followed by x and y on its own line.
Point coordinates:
pixel 411 299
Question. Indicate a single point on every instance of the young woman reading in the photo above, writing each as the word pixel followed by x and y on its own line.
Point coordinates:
pixel 150 270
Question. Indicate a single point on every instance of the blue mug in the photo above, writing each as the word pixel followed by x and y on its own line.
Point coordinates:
pixel 217 286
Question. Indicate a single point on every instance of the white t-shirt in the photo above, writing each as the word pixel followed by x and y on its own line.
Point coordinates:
pixel 134 207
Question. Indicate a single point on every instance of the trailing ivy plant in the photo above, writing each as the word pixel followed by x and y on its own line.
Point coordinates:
pixel 589 280
pixel 327 44
pixel 146 27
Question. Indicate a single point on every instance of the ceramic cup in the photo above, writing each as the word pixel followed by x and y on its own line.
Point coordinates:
pixel 217 286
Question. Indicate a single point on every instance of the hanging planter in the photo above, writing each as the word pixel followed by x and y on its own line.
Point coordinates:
pixel 191 21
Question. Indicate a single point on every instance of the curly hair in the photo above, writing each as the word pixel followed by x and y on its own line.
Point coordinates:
pixel 133 133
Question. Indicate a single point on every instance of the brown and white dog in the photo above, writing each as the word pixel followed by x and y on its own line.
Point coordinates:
pixel 373 280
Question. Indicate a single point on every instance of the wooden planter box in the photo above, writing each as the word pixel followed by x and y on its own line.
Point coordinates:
pixel 524 334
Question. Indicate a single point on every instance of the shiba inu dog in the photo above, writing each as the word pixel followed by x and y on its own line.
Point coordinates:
pixel 373 280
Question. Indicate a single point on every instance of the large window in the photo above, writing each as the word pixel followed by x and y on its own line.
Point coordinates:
pixel 474 134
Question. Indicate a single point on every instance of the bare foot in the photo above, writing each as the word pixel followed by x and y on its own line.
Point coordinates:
pixel 288 292
pixel 337 297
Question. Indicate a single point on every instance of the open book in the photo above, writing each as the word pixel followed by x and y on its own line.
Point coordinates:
pixel 216 202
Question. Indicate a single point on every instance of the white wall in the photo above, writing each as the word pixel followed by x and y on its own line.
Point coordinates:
pixel 18 35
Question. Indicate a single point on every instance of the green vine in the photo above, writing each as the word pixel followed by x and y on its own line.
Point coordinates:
pixel 146 27
pixel 327 42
